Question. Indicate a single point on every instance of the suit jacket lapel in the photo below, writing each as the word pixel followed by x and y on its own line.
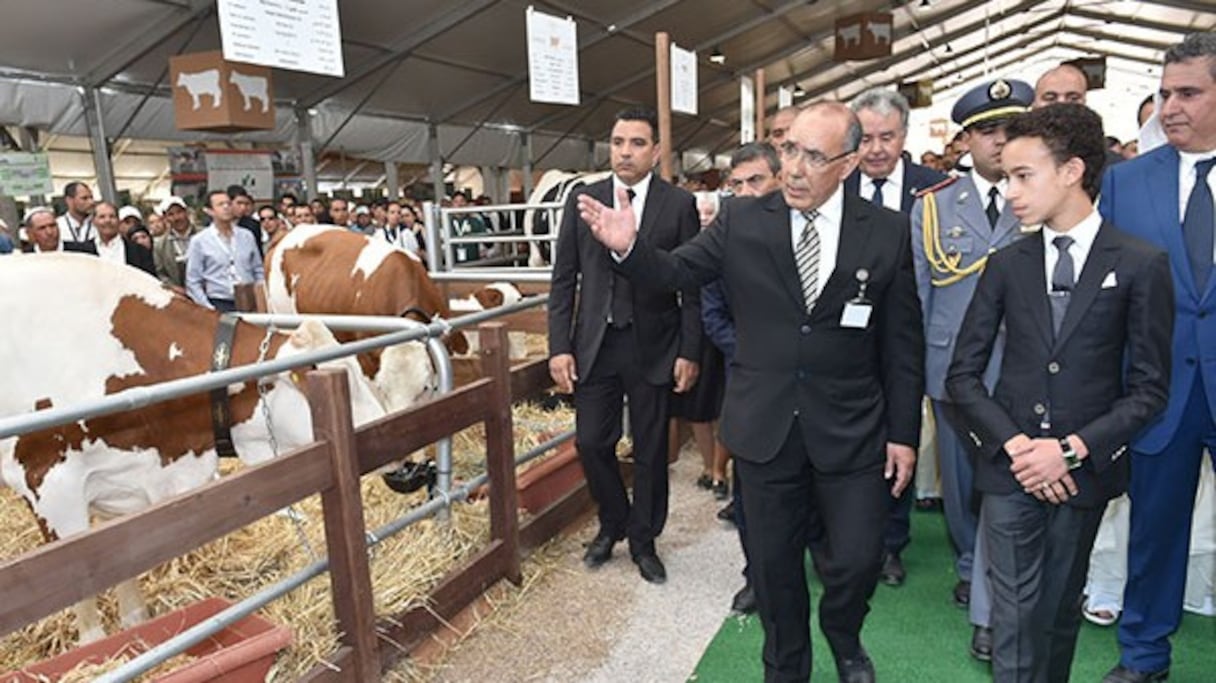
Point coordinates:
pixel 1031 281
pixel 1162 191
pixel 654 203
pixel 780 248
pixel 1102 257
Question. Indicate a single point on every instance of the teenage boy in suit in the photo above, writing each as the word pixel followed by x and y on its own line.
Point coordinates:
pixel 1086 366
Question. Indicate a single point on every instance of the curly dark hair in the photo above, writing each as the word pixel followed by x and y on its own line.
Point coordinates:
pixel 1068 130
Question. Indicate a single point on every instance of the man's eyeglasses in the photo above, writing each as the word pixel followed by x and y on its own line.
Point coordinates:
pixel 792 151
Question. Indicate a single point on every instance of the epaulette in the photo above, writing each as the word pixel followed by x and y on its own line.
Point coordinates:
pixel 943 184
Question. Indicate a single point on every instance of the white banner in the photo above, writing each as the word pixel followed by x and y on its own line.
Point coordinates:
pixel 552 58
pixel 747 110
pixel 251 170
pixel 300 35
pixel 683 80
pixel 785 97
pixel 25 173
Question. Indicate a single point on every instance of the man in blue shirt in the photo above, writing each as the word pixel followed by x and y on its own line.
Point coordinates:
pixel 219 258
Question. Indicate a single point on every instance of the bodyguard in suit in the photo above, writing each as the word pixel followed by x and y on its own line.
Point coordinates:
pixel 1165 197
pixel 608 339
pixel 822 408
pixel 1085 368
pixel 885 177
pixel 955 226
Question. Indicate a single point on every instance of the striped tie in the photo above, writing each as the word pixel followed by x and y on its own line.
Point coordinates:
pixel 807 256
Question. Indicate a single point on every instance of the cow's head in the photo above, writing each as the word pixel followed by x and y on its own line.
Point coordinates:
pixel 290 418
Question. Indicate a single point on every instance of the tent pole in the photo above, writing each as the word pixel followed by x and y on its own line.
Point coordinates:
pixel 307 159
pixel 662 78
pixel 391 180
pixel 526 139
pixel 100 146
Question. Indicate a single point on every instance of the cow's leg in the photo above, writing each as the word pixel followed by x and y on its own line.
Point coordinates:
pixel 131 607
pixel 62 511
pixel 88 620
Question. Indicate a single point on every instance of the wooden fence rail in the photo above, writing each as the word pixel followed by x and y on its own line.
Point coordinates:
pixel 55 576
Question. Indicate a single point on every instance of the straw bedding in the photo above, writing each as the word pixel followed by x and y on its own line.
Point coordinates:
pixel 404 568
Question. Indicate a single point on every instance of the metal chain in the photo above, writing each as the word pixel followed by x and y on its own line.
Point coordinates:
pixel 296 517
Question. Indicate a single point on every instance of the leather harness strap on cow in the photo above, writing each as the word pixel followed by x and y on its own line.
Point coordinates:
pixel 221 408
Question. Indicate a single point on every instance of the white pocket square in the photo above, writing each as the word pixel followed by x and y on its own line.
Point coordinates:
pixel 1110 281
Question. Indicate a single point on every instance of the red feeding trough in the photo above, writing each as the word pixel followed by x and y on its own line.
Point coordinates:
pixel 241 653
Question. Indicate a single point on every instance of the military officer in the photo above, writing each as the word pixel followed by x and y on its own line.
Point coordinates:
pixel 955 225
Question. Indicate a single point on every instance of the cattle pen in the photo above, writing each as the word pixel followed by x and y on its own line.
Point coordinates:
pixel 46 580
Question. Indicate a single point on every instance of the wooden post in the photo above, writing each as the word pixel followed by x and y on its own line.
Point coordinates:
pixel 662 79
pixel 342 504
pixel 500 447
pixel 760 100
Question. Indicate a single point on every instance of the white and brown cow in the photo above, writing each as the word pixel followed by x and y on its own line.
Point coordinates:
pixel 554 186
pixel 324 269
pixel 80 328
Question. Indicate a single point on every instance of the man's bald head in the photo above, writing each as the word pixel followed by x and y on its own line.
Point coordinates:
pixel 1064 83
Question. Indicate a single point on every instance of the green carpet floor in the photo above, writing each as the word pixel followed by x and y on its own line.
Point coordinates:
pixel 915 633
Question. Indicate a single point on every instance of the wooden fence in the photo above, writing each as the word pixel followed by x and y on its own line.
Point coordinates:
pixel 58 575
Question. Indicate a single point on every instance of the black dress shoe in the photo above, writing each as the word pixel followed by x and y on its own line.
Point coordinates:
pixel 651 568
pixel 892 572
pixel 720 489
pixel 981 643
pixel 962 594
pixel 744 601
pixel 599 551
pixel 1122 674
pixel 727 514
pixel 705 482
pixel 858 669
pixel 929 504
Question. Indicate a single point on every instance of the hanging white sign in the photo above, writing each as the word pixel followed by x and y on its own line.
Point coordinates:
pixel 747 110
pixel 552 58
pixel 683 80
pixel 300 35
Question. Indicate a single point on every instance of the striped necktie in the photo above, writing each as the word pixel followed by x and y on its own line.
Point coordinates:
pixel 807 256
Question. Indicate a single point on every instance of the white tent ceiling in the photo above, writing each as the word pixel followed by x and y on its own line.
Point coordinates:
pixel 462 66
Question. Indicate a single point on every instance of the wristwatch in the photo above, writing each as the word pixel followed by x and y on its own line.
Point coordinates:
pixel 1070 456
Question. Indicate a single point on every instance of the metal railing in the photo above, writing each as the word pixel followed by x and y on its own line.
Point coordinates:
pixel 400 330
pixel 441 241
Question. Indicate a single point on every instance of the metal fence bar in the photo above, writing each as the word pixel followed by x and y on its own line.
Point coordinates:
pixel 162 653
pixel 138 397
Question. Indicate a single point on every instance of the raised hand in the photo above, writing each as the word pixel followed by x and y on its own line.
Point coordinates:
pixel 614 228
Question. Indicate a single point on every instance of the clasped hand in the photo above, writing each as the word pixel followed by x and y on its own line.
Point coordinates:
pixel 1038 465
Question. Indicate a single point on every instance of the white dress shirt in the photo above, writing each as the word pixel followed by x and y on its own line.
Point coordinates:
pixel 639 195
pixel 73 230
pixel 1082 234
pixel 1186 180
pixel 828 226
pixel 114 251
pixel 983 186
pixel 892 189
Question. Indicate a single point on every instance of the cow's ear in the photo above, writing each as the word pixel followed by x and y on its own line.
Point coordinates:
pixel 457 343
pixel 488 298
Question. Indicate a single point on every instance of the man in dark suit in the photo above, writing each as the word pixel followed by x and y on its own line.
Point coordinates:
pixel 1088 317
pixel 885 177
pixel 1166 197
pixel 110 244
pixel 608 339
pixel 822 408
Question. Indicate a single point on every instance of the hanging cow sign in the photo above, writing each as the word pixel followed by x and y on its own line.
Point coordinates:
pixel 211 93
